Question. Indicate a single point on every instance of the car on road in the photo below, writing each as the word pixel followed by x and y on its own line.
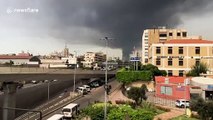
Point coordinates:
pixel 96 82
pixel 93 84
pixel 182 103
pixel 34 81
pixel 81 90
pixel 87 87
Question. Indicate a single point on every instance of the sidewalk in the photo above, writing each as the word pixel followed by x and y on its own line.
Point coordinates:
pixel 175 112
pixel 117 95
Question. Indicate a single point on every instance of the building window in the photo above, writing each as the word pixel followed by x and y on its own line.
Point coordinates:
pixel 170 34
pixel 163 35
pixel 170 62
pixel 158 50
pixel 180 50
pixel 178 34
pixel 197 61
pixel 170 73
pixel 166 90
pixel 146 60
pixel 169 50
pixel 184 34
pixel 158 61
pixel 197 50
pixel 180 61
pixel 180 72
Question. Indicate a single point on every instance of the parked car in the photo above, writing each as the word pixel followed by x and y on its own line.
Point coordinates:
pixel 93 84
pixel 34 81
pixel 87 87
pixel 182 103
pixel 81 90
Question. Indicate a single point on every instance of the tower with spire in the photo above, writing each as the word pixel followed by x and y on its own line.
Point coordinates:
pixel 66 51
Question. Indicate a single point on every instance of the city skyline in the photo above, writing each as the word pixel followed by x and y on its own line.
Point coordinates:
pixel 41 27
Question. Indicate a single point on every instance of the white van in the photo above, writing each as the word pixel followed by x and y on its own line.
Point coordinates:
pixel 56 117
pixel 70 110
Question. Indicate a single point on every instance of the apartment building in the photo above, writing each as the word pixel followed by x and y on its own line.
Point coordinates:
pixel 92 58
pixel 178 56
pixel 159 35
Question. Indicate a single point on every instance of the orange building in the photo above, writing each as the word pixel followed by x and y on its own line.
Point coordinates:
pixel 171 88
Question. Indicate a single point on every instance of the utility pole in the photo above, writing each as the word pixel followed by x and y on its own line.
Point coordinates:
pixel 74 72
pixel 48 90
pixel 106 84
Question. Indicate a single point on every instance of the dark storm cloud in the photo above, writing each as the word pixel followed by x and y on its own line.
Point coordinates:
pixel 123 20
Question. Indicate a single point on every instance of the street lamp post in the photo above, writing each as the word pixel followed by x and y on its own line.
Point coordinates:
pixel 106 84
pixel 185 85
pixel 48 87
pixel 74 72
pixel 48 90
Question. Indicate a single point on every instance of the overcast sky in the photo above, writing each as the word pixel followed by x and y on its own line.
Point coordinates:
pixel 42 26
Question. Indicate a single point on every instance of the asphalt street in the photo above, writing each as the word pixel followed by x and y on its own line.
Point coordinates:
pixel 31 97
pixel 97 94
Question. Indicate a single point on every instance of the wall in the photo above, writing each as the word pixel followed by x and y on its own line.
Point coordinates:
pixel 177 92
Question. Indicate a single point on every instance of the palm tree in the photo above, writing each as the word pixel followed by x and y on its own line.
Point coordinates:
pixel 197 69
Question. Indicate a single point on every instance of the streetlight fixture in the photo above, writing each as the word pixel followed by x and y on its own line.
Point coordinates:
pixel 74 72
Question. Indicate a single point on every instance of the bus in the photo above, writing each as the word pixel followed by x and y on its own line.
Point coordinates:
pixel 56 117
pixel 70 110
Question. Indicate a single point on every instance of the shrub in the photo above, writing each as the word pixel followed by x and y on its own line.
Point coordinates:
pixel 131 76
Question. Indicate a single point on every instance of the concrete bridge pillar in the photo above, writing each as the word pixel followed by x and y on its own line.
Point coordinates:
pixel 9 89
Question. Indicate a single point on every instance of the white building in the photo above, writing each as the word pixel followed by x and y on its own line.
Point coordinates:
pixel 92 58
pixel 20 59
pixel 206 85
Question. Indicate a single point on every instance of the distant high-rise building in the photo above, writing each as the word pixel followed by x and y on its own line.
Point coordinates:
pixel 66 51
pixel 161 35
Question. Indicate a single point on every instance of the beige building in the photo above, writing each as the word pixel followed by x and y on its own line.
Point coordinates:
pixel 91 58
pixel 178 56
pixel 161 34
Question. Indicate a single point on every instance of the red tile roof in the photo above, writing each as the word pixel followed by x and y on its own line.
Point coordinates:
pixel 14 57
pixel 172 79
pixel 188 41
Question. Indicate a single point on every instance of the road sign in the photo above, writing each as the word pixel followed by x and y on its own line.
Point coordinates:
pixel 135 59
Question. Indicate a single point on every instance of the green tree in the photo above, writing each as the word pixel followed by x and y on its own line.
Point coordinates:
pixel 197 69
pixel 154 70
pixel 203 108
pixel 137 94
